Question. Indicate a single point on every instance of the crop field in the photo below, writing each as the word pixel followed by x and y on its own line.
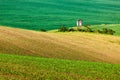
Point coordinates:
pixel 14 67
pixel 27 53
pixel 68 45
pixel 51 14
pixel 115 27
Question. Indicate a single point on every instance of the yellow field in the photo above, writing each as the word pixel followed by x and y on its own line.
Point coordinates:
pixel 71 45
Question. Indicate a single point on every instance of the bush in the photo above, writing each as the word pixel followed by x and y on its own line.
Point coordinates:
pixel 43 30
pixel 87 29
pixel 108 31
pixel 78 29
pixel 97 31
pixel 105 30
pixel 63 29
pixel 71 29
pixel 87 26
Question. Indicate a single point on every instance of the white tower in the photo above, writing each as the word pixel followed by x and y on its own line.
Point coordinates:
pixel 79 23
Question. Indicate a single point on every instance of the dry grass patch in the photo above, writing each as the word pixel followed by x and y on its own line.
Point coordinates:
pixel 75 46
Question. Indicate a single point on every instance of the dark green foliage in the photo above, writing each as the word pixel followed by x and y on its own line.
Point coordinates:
pixel 87 26
pixel 43 30
pixel 71 29
pixel 97 31
pixel 108 31
pixel 63 29
pixel 114 27
pixel 78 29
pixel 105 30
pixel 87 29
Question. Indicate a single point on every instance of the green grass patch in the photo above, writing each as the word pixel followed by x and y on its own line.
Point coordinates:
pixel 47 14
pixel 36 68
pixel 115 27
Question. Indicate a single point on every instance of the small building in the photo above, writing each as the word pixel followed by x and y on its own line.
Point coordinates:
pixel 79 22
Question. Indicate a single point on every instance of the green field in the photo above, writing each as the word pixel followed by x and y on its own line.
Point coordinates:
pixel 51 14
pixel 115 27
pixel 33 55
pixel 26 54
pixel 14 67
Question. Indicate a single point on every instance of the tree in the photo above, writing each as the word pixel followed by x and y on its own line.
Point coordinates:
pixel 63 29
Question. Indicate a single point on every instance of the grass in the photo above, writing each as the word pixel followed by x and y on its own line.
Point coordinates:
pixel 47 14
pixel 16 67
pixel 72 45
pixel 115 27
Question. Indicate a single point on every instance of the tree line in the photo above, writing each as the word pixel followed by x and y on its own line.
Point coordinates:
pixel 87 29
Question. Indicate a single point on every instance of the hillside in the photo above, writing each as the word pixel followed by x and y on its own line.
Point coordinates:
pixel 14 67
pixel 74 46
pixel 115 27
pixel 51 14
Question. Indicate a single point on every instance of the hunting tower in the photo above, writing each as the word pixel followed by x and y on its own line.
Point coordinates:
pixel 79 23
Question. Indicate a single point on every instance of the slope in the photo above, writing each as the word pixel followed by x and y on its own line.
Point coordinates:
pixel 50 14
pixel 115 27
pixel 14 67
pixel 75 46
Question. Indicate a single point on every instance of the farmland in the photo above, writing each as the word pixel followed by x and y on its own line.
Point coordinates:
pixel 32 47
pixel 47 14
pixel 115 27
pixel 33 55
pixel 68 45
pixel 14 67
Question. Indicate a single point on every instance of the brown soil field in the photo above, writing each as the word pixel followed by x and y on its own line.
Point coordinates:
pixel 68 45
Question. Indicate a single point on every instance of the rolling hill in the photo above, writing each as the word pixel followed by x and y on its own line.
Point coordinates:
pixel 73 46
pixel 14 67
pixel 51 14
pixel 115 27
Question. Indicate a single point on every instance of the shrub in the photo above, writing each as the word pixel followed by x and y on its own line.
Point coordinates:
pixel 83 30
pixel 108 31
pixel 87 26
pixel 78 29
pixel 87 29
pixel 63 29
pixel 71 29
pixel 43 30
pixel 97 31
pixel 105 30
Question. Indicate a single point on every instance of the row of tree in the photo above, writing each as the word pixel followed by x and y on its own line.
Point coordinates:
pixel 87 29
